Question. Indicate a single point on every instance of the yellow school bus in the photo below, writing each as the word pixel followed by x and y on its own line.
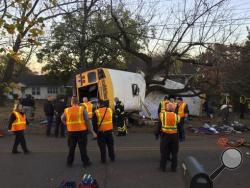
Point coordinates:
pixel 106 84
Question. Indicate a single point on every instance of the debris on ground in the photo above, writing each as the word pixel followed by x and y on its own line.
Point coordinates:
pixel 233 142
pixel 213 129
pixel 87 182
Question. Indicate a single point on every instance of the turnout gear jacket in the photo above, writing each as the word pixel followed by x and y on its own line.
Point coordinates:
pixel 119 108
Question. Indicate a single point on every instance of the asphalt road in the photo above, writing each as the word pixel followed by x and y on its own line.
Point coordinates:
pixel 136 165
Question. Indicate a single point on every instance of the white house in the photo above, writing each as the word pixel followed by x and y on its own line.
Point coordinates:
pixel 36 85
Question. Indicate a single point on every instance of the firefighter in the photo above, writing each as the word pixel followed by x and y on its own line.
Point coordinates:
pixel 89 108
pixel 17 125
pixel 167 129
pixel 182 111
pixel 103 126
pixel 76 120
pixel 163 105
pixel 120 118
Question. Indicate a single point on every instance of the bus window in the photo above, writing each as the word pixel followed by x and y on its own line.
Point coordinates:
pixel 92 77
pixel 101 74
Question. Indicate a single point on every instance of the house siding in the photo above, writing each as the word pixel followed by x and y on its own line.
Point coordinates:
pixel 43 92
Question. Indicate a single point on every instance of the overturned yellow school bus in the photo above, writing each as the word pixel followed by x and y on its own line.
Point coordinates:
pixel 106 84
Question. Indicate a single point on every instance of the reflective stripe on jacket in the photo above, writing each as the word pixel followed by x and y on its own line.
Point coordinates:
pixel 169 121
pixel 89 108
pixel 181 110
pixel 75 119
pixel 20 123
pixel 107 123
pixel 164 105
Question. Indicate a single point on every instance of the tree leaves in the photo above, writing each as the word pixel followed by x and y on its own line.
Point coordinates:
pixel 35 32
pixel 10 28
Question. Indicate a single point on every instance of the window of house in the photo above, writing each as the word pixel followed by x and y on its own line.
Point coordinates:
pixel 52 90
pixel 36 91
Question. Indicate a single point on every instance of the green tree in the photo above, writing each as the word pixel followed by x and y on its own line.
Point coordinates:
pixel 22 22
pixel 81 41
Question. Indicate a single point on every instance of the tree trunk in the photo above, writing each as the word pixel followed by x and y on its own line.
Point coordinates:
pixel 8 73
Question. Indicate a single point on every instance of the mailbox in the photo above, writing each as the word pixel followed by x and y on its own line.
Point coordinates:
pixel 195 175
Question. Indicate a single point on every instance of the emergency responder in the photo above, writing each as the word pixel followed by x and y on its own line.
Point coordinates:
pixel 168 131
pixel 76 120
pixel 120 118
pixel 163 104
pixel 242 106
pixel 17 124
pixel 103 126
pixel 182 111
pixel 60 106
pixel 89 108
pixel 172 99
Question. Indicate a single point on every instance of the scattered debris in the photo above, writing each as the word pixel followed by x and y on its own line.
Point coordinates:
pixel 87 182
pixel 235 142
pixel 212 129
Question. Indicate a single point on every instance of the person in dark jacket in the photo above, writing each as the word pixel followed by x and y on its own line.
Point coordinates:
pixel 59 109
pixel 120 118
pixel 17 124
pixel 28 106
pixel 49 113
pixel 242 106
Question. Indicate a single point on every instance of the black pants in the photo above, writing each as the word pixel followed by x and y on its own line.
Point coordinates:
pixel 106 139
pixel 80 138
pixel 181 130
pixel 49 124
pixel 59 125
pixel 169 145
pixel 19 139
pixel 120 123
pixel 242 111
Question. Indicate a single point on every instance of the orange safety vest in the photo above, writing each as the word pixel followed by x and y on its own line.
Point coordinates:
pixel 169 121
pixel 181 110
pixel 89 108
pixel 75 119
pixel 164 105
pixel 107 123
pixel 20 123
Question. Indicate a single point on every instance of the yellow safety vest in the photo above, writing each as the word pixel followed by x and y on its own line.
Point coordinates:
pixel 20 123
pixel 107 123
pixel 169 121
pixel 74 119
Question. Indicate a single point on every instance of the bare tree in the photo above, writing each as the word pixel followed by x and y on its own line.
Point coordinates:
pixel 187 27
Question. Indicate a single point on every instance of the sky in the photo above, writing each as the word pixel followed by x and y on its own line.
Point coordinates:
pixel 238 18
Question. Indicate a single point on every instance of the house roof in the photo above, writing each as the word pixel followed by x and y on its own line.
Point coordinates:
pixel 34 80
